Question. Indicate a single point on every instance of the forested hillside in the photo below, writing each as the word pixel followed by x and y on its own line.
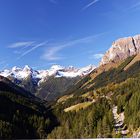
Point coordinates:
pixel 88 112
pixel 21 115
pixel 54 87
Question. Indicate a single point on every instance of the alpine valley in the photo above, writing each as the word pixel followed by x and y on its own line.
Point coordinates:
pixel 67 103
pixel 46 84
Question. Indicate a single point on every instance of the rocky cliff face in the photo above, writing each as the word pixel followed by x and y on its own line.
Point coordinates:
pixel 121 49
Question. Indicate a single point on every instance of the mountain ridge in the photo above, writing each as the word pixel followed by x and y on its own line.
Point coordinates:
pixel 55 70
pixel 121 49
pixel 46 84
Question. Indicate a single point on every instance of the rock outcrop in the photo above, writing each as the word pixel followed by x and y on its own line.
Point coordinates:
pixel 121 49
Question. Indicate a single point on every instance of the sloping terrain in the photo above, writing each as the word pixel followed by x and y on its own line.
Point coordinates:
pixel 136 58
pixel 22 115
pixel 53 87
pixel 113 87
pixel 107 75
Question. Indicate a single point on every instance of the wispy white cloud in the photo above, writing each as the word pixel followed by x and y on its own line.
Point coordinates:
pixel 96 56
pixel 21 44
pixel 51 53
pixel 23 48
pixel 90 4
pixel 32 49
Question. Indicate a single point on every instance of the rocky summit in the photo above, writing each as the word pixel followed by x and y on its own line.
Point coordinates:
pixel 121 49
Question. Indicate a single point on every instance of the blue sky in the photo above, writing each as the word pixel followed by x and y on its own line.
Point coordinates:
pixel 40 33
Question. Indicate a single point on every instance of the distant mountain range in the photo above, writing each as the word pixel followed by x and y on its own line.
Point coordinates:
pixel 47 84
pixel 55 70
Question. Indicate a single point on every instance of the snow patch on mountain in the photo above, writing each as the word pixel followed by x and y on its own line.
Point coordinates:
pixel 41 75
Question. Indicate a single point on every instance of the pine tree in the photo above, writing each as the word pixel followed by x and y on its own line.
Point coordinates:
pixel 106 127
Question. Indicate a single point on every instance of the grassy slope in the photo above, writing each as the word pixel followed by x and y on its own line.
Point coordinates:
pixel 108 76
pixel 77 107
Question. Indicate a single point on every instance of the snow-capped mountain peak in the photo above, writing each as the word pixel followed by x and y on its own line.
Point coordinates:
pixel 42 82
pixel 87 69
pixel 56 67
pixel 27 68
pixel 41 75
pixel 15 68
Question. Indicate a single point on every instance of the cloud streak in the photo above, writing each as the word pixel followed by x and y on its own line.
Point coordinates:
pixel 51 53
pixel 32 49
pixel 90 4
pixel 21 44
pixel 24 48
pixel 97 56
